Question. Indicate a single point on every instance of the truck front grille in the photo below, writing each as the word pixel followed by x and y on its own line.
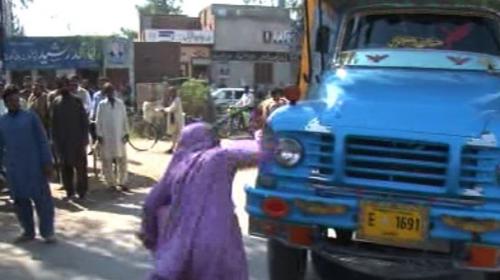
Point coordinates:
pixel 319 157
pixel 478 166
pixel 396 160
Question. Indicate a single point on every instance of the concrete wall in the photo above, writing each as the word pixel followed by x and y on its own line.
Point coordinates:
pixel 241 73
pixel 167 22
pixel 247 34
pixel 242 29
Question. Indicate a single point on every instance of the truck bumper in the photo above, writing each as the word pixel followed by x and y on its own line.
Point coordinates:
pixel 298 223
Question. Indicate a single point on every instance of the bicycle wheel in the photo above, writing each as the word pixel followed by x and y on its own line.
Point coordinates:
pixel 143 136
pixel 223 127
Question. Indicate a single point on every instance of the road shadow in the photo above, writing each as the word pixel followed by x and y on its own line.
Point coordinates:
pixel 133 162
pixel 75 256
pixel 99 198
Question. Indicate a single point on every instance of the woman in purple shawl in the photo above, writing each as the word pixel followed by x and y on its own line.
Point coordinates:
pixel 189 222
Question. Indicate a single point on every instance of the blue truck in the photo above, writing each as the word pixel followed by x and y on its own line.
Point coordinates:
pixel 387 160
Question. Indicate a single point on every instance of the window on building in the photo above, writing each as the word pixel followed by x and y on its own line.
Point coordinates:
pixel 263 73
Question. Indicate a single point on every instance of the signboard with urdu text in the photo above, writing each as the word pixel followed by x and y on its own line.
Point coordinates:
pixel 195 37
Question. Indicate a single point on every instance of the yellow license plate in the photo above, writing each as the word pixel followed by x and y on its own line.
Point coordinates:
pixel 390 222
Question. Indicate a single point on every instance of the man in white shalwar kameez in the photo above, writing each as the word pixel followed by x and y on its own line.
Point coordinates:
pixel 175 117
pixel 112 133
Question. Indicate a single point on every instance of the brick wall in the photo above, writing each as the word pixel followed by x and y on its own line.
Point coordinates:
pixel 169 22
pixel 154 61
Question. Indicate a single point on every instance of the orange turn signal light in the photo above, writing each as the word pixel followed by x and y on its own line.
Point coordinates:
pixel 317 208
pixel 292 93
pixel 275 207
pixel 482 256
pixel 471 224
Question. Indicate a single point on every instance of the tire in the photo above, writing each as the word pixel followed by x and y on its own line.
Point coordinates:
pixel 144 136
pixel 225 128
pixel 286 263
pixel 328 270
pixel 492 276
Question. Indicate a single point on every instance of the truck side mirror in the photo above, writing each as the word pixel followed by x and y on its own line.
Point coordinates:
pixel 323 39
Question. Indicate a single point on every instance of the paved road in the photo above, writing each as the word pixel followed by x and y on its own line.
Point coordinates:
pixel 97 240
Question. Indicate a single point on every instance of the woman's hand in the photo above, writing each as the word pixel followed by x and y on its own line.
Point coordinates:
pixel 147 243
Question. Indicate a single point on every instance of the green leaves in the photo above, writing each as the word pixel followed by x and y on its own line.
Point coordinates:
pixel 194 95
pixel 128 33
pixel 162 7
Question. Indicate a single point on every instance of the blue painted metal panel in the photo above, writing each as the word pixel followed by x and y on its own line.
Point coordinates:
pixel 22 53
pixel 406 127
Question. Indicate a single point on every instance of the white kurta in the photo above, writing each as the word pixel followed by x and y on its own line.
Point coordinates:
pixel 175 109
pixel 84 96
pixel 112 126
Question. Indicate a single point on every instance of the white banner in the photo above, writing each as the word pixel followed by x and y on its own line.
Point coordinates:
pixel 195 37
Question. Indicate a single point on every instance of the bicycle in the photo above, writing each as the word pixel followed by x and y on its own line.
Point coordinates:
pixel 236 122
pixel 144 135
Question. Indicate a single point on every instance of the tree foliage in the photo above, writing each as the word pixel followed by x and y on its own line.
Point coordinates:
pixel 22 3
pixel 128 33
pixel 195 99
pixel 288 3
pixel 16 25
pixel 163 7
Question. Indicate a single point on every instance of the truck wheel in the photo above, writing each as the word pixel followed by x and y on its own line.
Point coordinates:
pixel 329 270
pixel 284 262
pixel 492 276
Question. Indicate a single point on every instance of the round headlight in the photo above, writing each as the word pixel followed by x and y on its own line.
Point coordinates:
pixel 288 152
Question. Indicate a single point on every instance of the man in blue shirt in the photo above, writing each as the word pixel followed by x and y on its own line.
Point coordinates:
pixel 96 99
pixel 25 150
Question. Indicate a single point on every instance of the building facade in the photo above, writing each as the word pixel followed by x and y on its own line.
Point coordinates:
pixel 195 44
pixel 251 45
pixel 87 57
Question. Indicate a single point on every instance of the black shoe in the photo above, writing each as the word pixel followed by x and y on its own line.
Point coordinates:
pixel 69 197
pixel 125 189
pixel 113 188
pixel 171 151
pixel 24 238
pixel 50 240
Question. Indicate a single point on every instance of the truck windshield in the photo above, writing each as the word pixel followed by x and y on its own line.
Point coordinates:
pixel 423 31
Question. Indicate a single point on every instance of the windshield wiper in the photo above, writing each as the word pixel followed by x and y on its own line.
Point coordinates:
pixel 492 69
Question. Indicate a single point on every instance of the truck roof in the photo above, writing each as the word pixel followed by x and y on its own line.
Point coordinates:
pixel 352 4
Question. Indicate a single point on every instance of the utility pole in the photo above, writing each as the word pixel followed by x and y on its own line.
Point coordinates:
pixel 2 34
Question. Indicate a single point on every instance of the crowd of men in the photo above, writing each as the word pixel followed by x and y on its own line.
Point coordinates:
pixel 39 128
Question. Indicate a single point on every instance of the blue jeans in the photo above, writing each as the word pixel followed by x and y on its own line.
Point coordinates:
pixel 45 210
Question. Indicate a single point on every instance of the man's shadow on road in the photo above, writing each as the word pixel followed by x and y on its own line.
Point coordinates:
pixel 99 198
